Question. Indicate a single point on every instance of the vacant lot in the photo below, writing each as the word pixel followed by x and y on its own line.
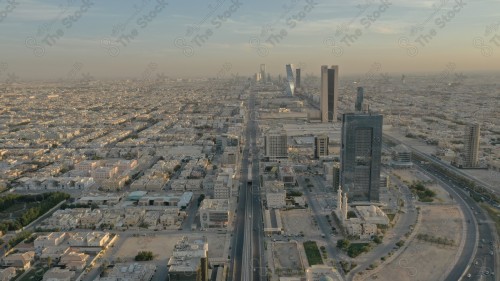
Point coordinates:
pixel 297 221
pixel 286 258
pixel 424 260
pixel 162 245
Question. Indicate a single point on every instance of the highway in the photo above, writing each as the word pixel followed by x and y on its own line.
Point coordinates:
pixel 478 255
pixel 246 258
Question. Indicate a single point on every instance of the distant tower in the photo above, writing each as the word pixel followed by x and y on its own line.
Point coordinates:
pixel 320 146
pixel 290 80
pixel 471 145
pixel 263 72
pixel 297 78
pixel 329 93
pixel 339 199
pixel 359 99
pixel 403 79
pixel 345 207
pixel 361 152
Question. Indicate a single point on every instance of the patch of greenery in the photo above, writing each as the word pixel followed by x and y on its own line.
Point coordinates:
pixel 312 252
pixel 424 194
pixel 144 256
pixel 356 249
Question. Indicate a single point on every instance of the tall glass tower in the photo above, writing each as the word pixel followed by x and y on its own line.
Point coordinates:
pixel 361 156
pixel 329 93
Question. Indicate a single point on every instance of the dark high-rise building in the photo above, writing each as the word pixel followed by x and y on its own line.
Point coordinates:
pixel 297 78
pixel 361 156
pixel 329 93
pixel 359 99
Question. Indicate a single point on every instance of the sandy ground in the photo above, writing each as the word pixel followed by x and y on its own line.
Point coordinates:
pixel 424 260
pixel 286 256
pixel 162 245
pixel 295 221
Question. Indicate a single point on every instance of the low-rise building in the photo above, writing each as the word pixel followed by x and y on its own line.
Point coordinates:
pixel 189 260
pixel 275 194
pixel 58 274
pixel 130 272
pixel 214 213
pixel 7 274
pixel 19 260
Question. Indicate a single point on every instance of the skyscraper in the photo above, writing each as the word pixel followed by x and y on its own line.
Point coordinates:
pixel 297 78
pixel 329 93
pixel 471 145
pixel 359 99
pixel 263 72
pixel 290 80
pixel 320 146
pixel 361 156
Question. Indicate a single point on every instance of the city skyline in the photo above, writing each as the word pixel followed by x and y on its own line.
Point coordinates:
pixel 44 40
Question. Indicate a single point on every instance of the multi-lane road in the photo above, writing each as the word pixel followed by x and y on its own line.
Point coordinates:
pixel 247 253
pixel 477 260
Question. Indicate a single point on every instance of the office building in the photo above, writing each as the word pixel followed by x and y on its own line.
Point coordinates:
pixel 471 145
pixel 320 146
pixel 275 145
pixel 297 78
pixel 359 99
pixel 361 156
pixel 290 89
pixel 329 93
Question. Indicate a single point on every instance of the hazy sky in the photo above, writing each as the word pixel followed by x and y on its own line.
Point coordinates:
pixel 70 38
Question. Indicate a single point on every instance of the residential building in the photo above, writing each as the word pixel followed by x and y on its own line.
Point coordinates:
pixel 58 274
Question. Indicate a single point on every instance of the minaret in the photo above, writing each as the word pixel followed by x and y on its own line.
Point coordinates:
pixel 339 200
pixel 345 207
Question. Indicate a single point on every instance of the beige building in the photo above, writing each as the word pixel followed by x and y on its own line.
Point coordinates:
pixel 58 274
pixel 19 260
pixel 214 213
pixel 275 194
